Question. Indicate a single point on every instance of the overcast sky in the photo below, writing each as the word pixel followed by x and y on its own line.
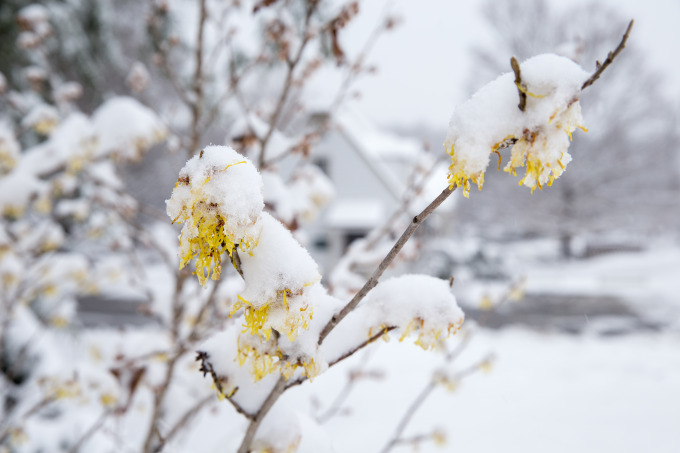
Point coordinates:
pixel 424 66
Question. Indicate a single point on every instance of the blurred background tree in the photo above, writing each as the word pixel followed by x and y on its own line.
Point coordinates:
pixel 623 176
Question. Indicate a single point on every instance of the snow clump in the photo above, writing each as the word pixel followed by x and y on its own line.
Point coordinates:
pixel 218 197
pixel 541 134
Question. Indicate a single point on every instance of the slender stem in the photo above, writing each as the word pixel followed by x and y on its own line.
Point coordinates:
pixel 414 188
pixel 372 339
pixel 424 395
pixel 158 404
pixel 93 429
pixel 352 379
pixel 188 415
pixel 287 85
pixel 415 405
pixel 370 284
pixel 610 58
pixel 197 103
pixel 350 353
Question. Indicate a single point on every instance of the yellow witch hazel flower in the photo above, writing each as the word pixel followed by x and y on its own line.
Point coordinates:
pixel 218 198
pixel 266 356
pixel 541 134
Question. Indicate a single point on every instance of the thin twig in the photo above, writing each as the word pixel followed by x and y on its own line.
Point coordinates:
pixel 351 352
pixel 609 59
pixel 518 82
pixel 197 103
pixel 292 64
pixel 207 368
pixel 382 332
pixel 93 429
pixel 413 189
pixel 274 395
pixel 341 397
pixel 370 284
pixel 410 412
pixel 422 397
pixel 34 409
pixel 158 404
pixel 355 67
pixel 188 415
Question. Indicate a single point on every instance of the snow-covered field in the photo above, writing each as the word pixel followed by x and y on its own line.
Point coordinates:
pixel 545 392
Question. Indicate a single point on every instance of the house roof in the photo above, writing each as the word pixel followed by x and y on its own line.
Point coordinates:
pixel 373 141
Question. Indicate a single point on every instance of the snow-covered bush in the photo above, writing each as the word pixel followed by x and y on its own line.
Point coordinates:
pixel 289 319
pixel 69 229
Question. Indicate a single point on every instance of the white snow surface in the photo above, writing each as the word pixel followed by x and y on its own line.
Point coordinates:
pixel 126 128
pixel 284 430
pixel 278 262
pixel 9 147
pixel 222 350
pixel 414 303
pixel 565 393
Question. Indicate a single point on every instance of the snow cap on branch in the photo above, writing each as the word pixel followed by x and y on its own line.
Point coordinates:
pixel 491 120
pixel 126 128
pixel 218 197
pixel 413 304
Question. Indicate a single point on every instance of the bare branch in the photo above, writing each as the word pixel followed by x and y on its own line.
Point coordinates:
pixel 408 415
pixel 372 339
pixel 422 397
pixel 207 368
pixel 370 284
pixel 292 64
pixel 382 332
pixel 274 395
pixel 341 397
pixel 610 58
pixel 188 415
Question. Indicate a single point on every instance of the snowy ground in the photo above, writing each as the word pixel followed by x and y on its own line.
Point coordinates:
pixel 545 392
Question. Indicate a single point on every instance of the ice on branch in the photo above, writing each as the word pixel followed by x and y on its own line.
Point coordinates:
pixel 417 305
pixel 218 198
pixel 541 134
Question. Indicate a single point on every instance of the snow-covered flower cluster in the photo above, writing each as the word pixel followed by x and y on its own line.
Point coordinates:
pixel 411 304
pixel 541 134
pixel 218 198
pixel 282 307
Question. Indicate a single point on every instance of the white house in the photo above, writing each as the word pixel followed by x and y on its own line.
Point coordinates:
pixel 370 169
